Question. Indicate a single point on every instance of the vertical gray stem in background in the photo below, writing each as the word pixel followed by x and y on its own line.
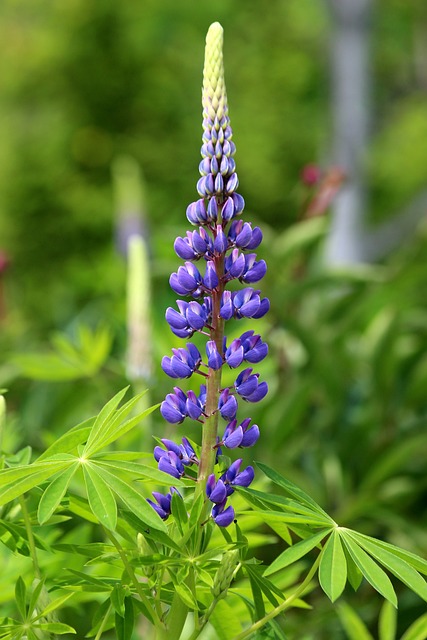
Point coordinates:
pixel 351 104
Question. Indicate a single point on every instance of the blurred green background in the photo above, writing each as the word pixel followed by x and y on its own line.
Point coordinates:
pixel 86 83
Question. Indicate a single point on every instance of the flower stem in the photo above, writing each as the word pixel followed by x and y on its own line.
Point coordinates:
pixel 30 535
pixel 213 387
pixel 129 570
pixel 282 607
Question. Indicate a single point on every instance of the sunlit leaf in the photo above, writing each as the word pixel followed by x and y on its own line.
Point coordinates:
pixel 372 572
pixel 20 597
pixel 133 500
pixel 401 569
pixel 333 567
pixel 101 420
pixel 293 490
pixel 54 493
pixel 28 477
pixel 69 440
pixel 55 627
pixel 100 496
pixel 297 551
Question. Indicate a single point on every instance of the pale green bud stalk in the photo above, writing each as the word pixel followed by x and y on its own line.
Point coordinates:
pixel 2 420
pixel 138 358
pixel 214 95
pixel 225 574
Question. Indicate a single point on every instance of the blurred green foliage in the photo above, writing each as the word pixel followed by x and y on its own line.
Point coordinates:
pixel 85 81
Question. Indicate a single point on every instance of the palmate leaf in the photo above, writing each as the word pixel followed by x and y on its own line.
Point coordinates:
pixel 54 493
pixel 411 558
pixel 292 489
pixel 134 500
pixel 372 572
pixel 261 499
pixel 333 567
pixel 401 569
pixel 15 482
pixel 296 552
pixel 55 627
pixel 140 471
pixel 69 441
pixel 100 497
pixel 20 597
pixel 101 420
pixel 117 428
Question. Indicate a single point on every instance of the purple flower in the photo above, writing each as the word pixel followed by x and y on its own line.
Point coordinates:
pixel 224 243
pixel 183 362
pixel 248 388
pixel 239 435
pixel 163 506
pixel 173 408
pixel 222 517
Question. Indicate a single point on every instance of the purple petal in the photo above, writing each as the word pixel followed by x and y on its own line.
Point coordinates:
pixel 258 394
pixel 250 437
pixel 225 518
pixel 234 439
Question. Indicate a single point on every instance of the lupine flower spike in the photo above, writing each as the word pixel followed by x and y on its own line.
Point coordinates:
pixel 223 244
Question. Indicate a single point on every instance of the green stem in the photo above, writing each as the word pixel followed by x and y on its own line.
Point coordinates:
pixel 282 607
pixel 132 576
pixel 103 623
pixel 31 541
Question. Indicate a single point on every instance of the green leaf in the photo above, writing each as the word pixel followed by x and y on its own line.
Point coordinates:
pixel 55 604
pixel 401 569
pixel 267 587
pixel 354 575
pixel 117 598
pixel 186 595
pixel 387 622
pixel 151 535
pixel 288 505
pixel 411 558
pixel 417 630
pixel 352 623
pixel 20 597
pixel 333 567
pixel 225 622
pixel 133 500
pixel 179 512
pixel 100 497
pixel 55 627
pixel 142 470
pixel 293 490
pixel 114 430
pixel 54 493
pixel 372 572
pixel 35 596
pixel 289 518
pixel 124 624
pixel 297 551
pixel 97 431
pixel 69 440
pixel 258 600
pixel 196 510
